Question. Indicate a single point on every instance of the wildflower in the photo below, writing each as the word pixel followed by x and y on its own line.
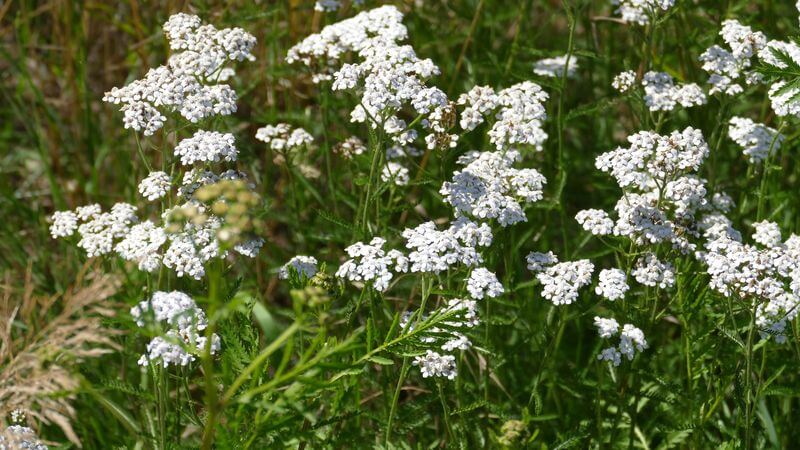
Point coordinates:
pixel 649 271
pixel 304 266
pixel 370 263
pixel 624 81
pixel 489 188
pixel 142 244
pixel 433 364
pixel 606 327
pixel 612 285
pixel 155 185
pixel 207 146
pixel 640 11
pixel 631 340
pixel 482 283
pixel 284 137
pixel 727 67
pixel 561 282
pixel 755 139
pixel 767 233
pixel 395 173
pixel 554 67
pixel 64 223
pixel 595 221
pixel 661 93
pixel 435 251
pixel 185 320
pixel 350 147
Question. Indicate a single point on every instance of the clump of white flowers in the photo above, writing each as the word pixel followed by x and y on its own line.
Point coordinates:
pixel 631 340
pixel 371 263
pixel 188 84
pixel 155 185
pixel 612 285
pixel 595 221
pixel 207 147
pixel 518 112
pixel 662 94
pixel 434 251
pixel 728 67
pixel 184 320
pixel 395 173
pixel 757 140
pixel 765 275
pixel 483 283
pixel 624 81
pixel 283 137
pixel 304 266
pixel 649 271
pixel 490 188
pixel 561 282
pixel 554 67
pixel 640 12
pixel 433 364
pixel 388 75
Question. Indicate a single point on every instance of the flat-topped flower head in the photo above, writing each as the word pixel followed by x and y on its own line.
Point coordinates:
pixel 206 147
pixel 612 285
pixel 155 185
pixel 757 140
pixel 490 188
pixel 562 282
pixel 372 264
pixel 641 11
pixel 483 283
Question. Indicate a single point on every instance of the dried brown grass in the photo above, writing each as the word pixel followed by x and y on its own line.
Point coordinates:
pixel 43 338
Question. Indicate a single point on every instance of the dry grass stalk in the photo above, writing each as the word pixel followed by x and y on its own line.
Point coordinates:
pixel 43 338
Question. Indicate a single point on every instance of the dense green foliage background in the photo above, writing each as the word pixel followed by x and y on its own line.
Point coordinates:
pixel 63 147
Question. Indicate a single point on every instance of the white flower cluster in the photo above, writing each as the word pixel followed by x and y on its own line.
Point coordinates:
pixel 388 75
pixel 350 147
pixel 483 283
pixel 98 230
pixel 624 81
pixel 188 83
pixel 207 147
pixel 727 67
pixel 519 117
pixel 20 437
pixel 284 137
pixel 184 85
pixel 755 139
pixel 766 275
pixel 595 221
pixel 490 188
pixel 649 271
pixel 305 266
pixel 612 285
pixel 395 173
pixel 434 251
pixel 662 94
pixel 641 11
pixel 371 263
pixel 185 321
pixel 155 185
pixel 561 282
pixel 554 67
pixel 631 340
pixel 662 196
pixel 433 364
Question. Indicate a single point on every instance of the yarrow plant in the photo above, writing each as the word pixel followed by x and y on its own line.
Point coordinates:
pixel 534 225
